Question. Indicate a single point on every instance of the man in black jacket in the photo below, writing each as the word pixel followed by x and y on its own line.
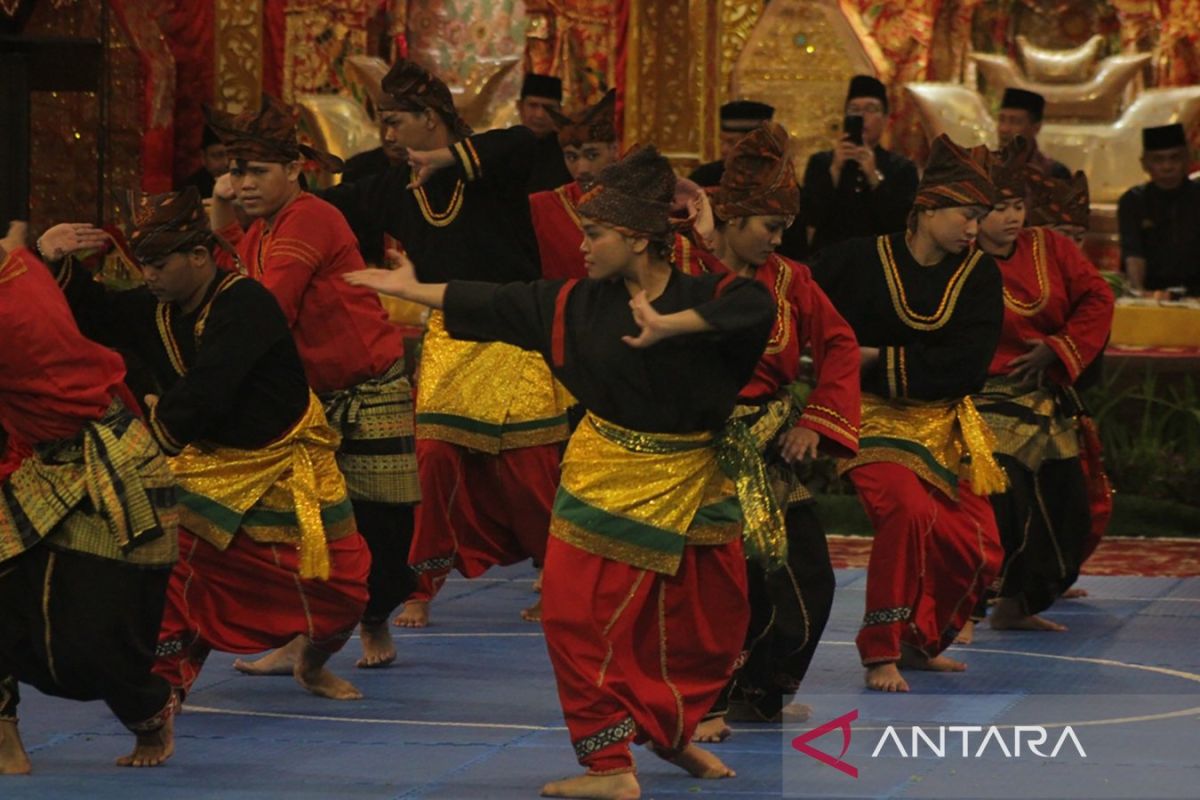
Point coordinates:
pixel 858 188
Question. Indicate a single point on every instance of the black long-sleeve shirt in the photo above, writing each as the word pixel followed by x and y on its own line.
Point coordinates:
pixel 924 354
pixel 685 384
pixel 852 208
pixel 485 234
pixel 242 382
pixel 1163 227
pixel 548 170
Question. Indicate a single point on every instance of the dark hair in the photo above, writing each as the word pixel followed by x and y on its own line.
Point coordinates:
pixel 661 248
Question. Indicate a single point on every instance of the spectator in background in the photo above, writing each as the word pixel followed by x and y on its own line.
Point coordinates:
pixel 858 188
pixel 541 95
pixel 737 119
pixel 1021 114
pixel 1160 220
pixel 213 164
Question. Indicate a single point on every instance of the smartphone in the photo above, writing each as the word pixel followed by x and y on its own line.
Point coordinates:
pixel 852 126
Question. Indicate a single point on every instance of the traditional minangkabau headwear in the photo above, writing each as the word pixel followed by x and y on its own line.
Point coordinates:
pixel 740 116
pixel 1009 169
pixel 1164 137
pixel 596 123
pixel 154 226
pixel 209 138
pixel 955 176
pixel 1059 202
pixel 759 177
pixel 548 86
pixel 1024 100
pixel 410 87
pixel 867 86
pixel 270 134
pixel 633 194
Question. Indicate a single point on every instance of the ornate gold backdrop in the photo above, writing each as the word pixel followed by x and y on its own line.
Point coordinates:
pixel 674 63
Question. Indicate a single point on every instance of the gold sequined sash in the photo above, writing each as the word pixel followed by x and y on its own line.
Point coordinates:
pixel 288 491
pixel 941 442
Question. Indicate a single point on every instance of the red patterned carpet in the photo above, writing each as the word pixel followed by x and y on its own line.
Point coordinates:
pixel 1177 558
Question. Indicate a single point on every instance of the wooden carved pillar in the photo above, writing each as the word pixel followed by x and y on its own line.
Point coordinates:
pixel 679 59
pixel 239 54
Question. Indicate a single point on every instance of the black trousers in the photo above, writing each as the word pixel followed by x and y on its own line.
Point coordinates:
pixel 789 608
pixel 388 530
pixel 1044 520
pixel 83 628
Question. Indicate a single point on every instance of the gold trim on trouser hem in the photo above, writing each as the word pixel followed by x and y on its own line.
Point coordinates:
pixel 662 645
pixel 46 615
pixel 612 623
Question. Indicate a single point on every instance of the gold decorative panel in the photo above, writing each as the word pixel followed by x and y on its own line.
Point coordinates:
pixel 738 18
pixel 66 125
pixel 239 54
pixel 319 36
pixel 575 40
pixel 799 59
pixel 680 54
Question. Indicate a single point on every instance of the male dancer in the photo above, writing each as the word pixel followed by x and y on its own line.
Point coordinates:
pixel 299 246
pixel 268 544
pixel 88 521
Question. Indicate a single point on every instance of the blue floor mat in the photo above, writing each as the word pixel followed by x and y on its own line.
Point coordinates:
pixel 469 712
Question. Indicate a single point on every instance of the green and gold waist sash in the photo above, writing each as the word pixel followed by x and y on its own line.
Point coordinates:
pixel 640 498
pixel 107 492
pixel 1031 424
pixel 767 422
pixel 488 396
pixel 377 456
pixel 940 441
pixel 289 491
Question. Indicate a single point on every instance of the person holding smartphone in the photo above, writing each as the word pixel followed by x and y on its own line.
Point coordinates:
pixel 858 188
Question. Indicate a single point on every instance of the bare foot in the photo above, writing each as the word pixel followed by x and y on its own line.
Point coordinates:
pixel 378 648
pixel 312 674
pixel 537 582
pixel 886 677
pixel 151 749
pixel 697 762
pixel 324 683
pixel 796 712
pixel 1074 593
pixel 1007 616
pixel 277 662
pixel 712 731
pixel 533 613
pixel 914 659
pixel 967 634
pixel 13 758
pixel 622 786
pixel 415 614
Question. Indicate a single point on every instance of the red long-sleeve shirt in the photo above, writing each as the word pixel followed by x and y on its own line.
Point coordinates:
pixel 342 332
pixel 52 379
pixel 1052 293
pixel 804 319
pixel 558 230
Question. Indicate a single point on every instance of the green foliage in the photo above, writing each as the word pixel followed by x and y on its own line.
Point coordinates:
pixel 1150 430
pixel 1118 282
